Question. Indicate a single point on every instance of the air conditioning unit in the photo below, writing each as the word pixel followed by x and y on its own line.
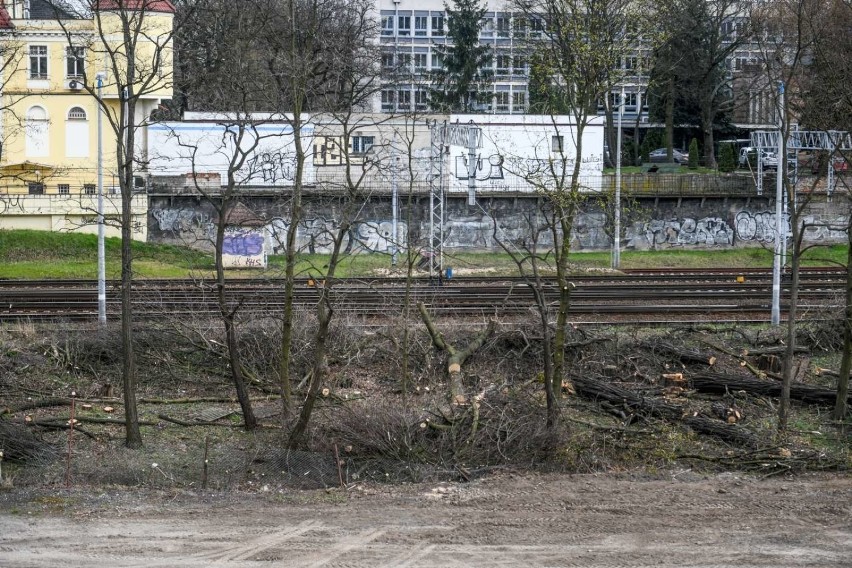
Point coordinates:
pixel 75 84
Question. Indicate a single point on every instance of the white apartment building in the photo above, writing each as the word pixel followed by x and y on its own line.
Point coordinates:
pixel 410 30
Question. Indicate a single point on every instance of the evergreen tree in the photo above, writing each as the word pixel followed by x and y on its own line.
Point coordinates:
pixel 465 79
pixel 727 159
pixel 693 154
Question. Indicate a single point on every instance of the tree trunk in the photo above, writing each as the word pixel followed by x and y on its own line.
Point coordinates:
pixel 707 127
pixel 319 369
pixel 457 357
pixel 840 404
pixel 231 335
pixel 792 313
pixel 133 436
pixel 670 106
pixel 290 269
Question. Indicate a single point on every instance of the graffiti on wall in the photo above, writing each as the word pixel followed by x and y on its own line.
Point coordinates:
pixel 181 221
pixel 243 248
pixel 709 231
pixel 272 166
pixel 758 227
pixel 490 168
pixel 829 229
pixel 316 236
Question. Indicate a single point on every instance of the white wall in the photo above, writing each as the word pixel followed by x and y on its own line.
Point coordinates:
pixel 208 146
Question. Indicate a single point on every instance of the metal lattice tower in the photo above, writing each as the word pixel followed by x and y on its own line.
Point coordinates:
pixel 442 136
pixel 828 140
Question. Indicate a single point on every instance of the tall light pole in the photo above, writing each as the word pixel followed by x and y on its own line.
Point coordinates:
pixel 99 77
pixel 616 232
pixel 775 317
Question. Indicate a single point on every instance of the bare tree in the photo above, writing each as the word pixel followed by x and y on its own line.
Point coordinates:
pixel 826 104
pixel 786 33
pixel 321 56
pixel 132 45
pixel 581 48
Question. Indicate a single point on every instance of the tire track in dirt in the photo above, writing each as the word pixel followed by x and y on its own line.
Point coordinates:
pixel 344 546
pixel 258 545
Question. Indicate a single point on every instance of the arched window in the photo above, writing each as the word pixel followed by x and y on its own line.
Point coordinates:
pixel 36 132
pixel 76 113
pixel 77 133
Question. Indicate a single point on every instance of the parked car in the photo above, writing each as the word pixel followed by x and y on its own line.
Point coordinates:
pixel 748 156
pixel 659 156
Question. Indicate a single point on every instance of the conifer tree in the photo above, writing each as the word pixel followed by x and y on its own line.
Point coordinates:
pixel 465 79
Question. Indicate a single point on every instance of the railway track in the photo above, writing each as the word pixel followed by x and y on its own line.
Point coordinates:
pixel 667 295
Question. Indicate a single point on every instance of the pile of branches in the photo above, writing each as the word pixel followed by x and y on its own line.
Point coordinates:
pixel 21 445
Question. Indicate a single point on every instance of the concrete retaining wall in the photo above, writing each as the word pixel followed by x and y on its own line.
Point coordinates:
pixel 648 223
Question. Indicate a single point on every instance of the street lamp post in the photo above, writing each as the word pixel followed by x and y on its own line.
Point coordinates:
pixel 616 233
pixel 101 249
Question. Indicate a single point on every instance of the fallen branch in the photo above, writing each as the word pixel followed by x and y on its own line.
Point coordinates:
pixel 196 423
pixel 720 384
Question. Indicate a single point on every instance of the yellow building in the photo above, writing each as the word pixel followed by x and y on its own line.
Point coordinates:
pixel 51 62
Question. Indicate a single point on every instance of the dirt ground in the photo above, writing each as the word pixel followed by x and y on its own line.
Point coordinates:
pixel 679 519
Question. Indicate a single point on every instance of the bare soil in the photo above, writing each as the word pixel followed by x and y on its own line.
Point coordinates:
pixel 680 519
pixel 616 485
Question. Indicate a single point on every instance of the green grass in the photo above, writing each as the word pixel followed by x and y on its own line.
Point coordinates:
pixel 43 255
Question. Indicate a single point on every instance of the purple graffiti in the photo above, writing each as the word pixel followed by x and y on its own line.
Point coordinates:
pixel 243 244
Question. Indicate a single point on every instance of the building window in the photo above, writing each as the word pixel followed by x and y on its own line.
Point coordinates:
pixel 75 61
pixel 437 61
pixel 38 62
pixel 487 27
pixel 420 25
pixel 421 99
pixel 387 61
pixel 36 188
pixel 404 62
pixel 536 27
pixel 519 65
pixel 387 25
pixel 404 28
pixel 90 188
pixel 438 26
pixel 520 26
pixel 404 100
pixel 420 62
pixel 556 144
pixel 630 101
pixel 388 99
pixel 503 26
pixel 361 144
pixel 64 189
pixel 501 101
pixel 631 63
pixel 503 61
pixel 76 113
pixel 519 102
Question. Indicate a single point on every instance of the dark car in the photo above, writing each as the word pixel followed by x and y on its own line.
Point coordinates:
pixel 659 156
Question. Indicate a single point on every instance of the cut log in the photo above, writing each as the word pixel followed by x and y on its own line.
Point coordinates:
pixel 685 355
pixel 724 431
pixel 615 395
pixel 720 384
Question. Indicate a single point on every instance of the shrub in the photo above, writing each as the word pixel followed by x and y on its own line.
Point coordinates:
pixel 727 158
pixel 693 154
